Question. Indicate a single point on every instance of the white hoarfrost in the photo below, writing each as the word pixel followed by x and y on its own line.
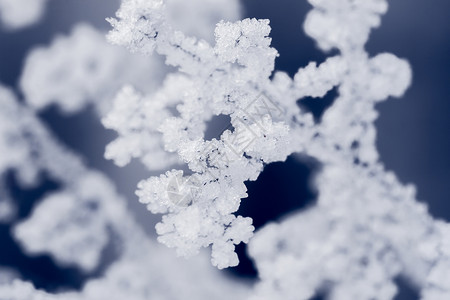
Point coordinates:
pixel 365 230
pixel 131 119
pixel 361 225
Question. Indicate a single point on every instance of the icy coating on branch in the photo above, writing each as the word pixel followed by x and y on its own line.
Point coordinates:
pixel 359 236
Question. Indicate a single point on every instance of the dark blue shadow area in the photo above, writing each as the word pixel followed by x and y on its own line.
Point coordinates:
pixel 405 290
pixel 286 19
pixel 318 106
pixel 217 126
pixel 82 132
pixel 41 270
pixel 26 198
pixel 283 187
pixel 414 131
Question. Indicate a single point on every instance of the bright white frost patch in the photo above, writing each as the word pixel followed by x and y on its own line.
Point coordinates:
pixel 16 14
pixel 361 224
pixel 131 119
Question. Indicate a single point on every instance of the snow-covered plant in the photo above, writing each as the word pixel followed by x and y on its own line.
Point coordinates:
pixel 75 223
pixel 81 69
pixel 233 78
pixel 81 221
pixel 365 230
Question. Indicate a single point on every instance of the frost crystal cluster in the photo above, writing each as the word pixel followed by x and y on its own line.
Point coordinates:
pixel 365 230
pixel 359 237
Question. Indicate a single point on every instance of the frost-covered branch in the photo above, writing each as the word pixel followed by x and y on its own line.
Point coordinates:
pixel 75 223
pixel 209 219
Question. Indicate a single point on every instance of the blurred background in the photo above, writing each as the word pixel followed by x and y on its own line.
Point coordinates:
pixel 413 132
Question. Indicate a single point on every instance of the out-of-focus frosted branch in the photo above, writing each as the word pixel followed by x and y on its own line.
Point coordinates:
pixel 362 218
pixel 83 68
pixel 16 14
pixel 74 224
